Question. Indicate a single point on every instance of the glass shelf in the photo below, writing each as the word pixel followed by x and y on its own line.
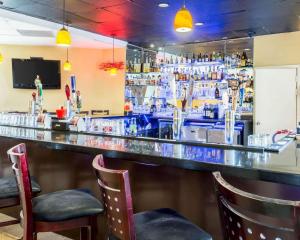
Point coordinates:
pixel 140 73
pixel 197 64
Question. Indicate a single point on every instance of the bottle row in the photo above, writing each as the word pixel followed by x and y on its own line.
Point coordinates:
pixel 209 73
pixel 182 74
pixel 234 60
pixel 137 65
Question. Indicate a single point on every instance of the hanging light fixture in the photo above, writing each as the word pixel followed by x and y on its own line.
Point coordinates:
pixel 113 70
pixel 112 67
pixel 67 64
pixel 183 21
pixel 63 37
pixel 1 58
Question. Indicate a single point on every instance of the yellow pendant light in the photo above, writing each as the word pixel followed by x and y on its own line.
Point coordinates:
pixel 63 37
pixel 183 21
pixel 1 58
pixel 67 64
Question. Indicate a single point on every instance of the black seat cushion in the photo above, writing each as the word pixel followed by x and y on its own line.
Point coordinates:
pixel 9 189
pixel 65 205
pixel 165 224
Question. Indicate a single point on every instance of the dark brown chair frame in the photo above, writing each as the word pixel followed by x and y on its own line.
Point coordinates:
pixel 87 225
pixel 116 196
pixel 236 206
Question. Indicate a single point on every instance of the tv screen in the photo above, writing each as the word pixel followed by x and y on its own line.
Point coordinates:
pixel 26 70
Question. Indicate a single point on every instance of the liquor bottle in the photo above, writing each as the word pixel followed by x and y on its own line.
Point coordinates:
pixel 205 111
pixel 206 58
pixel 244 59
pixel 187 75
pixel 194 58
pixel 213 57
pixel 134 65
pixel 217 92
pixel 176 60
pixel 206 74
pixel 127 66
pixel 199 58
pixel 214 74
pixel 176 73
pixel 171 60
pixel 202 76
pixel 187 58
pixel 181 59
pixel 219 74
pixel 146 66
pixel 196 76
pixel 209 74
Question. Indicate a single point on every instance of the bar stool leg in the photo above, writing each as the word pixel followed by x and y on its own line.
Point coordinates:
pixel 84 233
pixel 93 228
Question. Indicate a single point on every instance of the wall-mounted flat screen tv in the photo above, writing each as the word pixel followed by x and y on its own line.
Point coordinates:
pixel 26 70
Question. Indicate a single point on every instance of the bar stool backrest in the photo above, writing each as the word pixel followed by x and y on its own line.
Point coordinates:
pixel 84 112
pixel 116 196
pixel 18 157
pixel 100 112
pixel 236 206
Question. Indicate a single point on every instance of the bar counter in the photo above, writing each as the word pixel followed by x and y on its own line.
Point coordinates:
pixel 280 167
pixel 162 174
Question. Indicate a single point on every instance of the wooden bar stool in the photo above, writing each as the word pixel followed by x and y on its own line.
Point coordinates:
pixel 160 224
pixel 9 195
pixel 55 211
pixel 247 216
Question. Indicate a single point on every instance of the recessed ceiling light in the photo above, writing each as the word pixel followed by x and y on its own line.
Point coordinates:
pixel 163 5
pixel 199 24
pixel 152 45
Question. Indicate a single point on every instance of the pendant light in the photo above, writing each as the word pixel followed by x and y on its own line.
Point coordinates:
pixel 63 37
pixel 1 58
pixel 113 70
pixel 67 64
pixel 183 21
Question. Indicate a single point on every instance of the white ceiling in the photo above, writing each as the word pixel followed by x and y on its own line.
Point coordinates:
pixel 40 32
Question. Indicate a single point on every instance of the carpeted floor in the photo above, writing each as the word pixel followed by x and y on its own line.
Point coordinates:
pixel 14 232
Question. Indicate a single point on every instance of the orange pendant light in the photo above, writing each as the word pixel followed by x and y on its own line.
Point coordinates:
pixel 183 21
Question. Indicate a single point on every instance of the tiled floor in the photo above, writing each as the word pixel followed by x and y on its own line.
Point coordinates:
pixel 14 232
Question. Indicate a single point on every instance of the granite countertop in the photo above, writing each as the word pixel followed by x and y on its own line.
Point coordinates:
pixel 280 167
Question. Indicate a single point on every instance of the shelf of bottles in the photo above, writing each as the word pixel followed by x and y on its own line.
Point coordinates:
pixel 154 85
